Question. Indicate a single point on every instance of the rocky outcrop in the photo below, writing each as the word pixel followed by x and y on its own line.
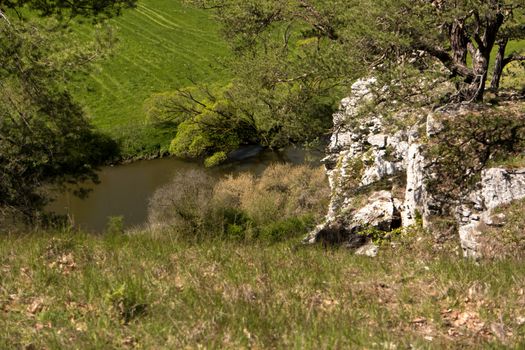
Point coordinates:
pixel 498 186
pixel 362 162
pixel 379 175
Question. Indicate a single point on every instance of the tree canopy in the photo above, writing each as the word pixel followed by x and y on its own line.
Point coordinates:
pixel 45 139
pixel 295 59
pixel 68 8
pixel 341 39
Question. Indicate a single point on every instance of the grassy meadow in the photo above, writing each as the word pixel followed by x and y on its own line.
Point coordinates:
pixel 149 290
pixel 245 280
pixel 162 45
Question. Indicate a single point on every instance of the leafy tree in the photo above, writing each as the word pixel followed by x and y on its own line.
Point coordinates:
pixel 208 122
pixel 45 139
pixel 298 43
pixel 94 9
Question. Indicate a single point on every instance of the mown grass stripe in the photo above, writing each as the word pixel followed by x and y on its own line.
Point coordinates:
pixel 161 45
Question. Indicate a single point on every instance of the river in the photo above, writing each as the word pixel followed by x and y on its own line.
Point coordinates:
pixel 124 190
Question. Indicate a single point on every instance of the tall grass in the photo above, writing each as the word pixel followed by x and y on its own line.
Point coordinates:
pixel 77 291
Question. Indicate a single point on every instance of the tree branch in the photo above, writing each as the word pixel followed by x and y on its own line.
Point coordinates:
pixel 447 60
pixel 513 58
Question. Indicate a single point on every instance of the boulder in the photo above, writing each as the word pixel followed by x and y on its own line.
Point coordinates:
pixel 371 250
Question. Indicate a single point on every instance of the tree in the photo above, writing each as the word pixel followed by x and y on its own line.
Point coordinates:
pixel 512 31
pixel 208 123
pixel 330 39
pixel 45 139
pixel 94 9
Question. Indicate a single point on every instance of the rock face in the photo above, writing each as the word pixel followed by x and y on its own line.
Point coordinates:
pixel 378 178
pixel 498 186
pixel 360 157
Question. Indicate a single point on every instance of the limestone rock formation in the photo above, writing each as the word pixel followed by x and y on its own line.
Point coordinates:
pixel 498 186
pixel 379 178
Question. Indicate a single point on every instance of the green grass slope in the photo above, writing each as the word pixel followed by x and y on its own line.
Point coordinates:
pixel 162 46
pixel 514 75
pixel 74 291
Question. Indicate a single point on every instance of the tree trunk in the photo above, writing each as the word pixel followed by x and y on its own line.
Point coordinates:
pixel 459 41
pixel 498 67
pixel 474 89
pixel 480 52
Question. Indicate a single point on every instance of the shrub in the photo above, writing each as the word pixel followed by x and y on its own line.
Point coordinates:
pixel 467 144
pixel 287 228
pixel 285 200
pixel 184 203
pixel 127 301
pixel 115 225
pixel 282 191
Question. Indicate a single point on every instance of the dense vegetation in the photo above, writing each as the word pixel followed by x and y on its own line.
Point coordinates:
pixel 158 291
pixel 160 46
pixel 294 60
pixel 45 139
pixel 283 201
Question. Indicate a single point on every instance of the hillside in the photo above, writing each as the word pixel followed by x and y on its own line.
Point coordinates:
pixel 124 292
pixel 161 46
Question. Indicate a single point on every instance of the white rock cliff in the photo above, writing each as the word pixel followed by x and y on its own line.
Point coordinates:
pixel 378 179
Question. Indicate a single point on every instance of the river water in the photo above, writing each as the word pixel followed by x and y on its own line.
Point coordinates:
pixel 124 190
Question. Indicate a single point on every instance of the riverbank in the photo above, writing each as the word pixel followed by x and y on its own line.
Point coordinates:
pixel 125 189
pixel 155 290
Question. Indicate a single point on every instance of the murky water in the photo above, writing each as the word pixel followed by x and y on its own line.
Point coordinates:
pixel 124 190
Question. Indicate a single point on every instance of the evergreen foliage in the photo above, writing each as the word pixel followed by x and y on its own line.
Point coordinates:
pixel 305 44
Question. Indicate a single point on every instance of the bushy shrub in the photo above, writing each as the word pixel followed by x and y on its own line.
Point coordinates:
pixel 282 191
pixel 282 229
pixel 184 203
pixel 284 201
pixel 115 225
pixel 127 301
pixel 207 122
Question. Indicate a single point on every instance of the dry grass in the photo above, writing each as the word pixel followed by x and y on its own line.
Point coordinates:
pixel 506 237
pixel 70 290
pixel 285 200
pixel 282 191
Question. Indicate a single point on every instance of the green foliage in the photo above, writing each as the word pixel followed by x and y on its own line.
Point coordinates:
pixel 45 140
pixel 304 53
pixel 468 144
pixel 216 159
pixel 70 9
pixel 209 124
pixel 381 238
pixel 126 301
pixel 115 225
pixel 281 230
